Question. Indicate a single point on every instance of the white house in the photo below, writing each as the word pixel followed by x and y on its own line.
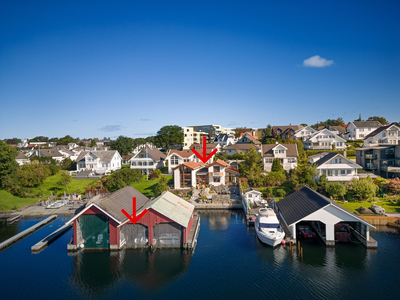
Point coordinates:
pixel 99 161
pixel 223 139
pixel 248 138
pixel 176 158
pixel 304 133
pixel 22 159
pixel 384 135
pixel 54 154
pixel 286 153
pixel 250 196
pixel 147 160
pixel 324 139
pixel 241 148
pixel 358 130
pixel 336 167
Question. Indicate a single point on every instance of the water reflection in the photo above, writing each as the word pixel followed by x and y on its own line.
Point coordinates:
pixel 218 220
pixel 97 272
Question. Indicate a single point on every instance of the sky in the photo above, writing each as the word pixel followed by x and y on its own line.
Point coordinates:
pixel 109 68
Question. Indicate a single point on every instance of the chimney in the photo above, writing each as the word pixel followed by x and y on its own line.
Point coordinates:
pixel 345 153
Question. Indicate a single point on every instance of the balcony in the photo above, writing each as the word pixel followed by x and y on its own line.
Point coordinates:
pixel 369 166
pixel 371 156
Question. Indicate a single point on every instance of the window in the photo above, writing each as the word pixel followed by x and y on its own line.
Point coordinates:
pixel 174 160
pixel 340 160
pixel 217 169
pixel 133 163
pixel 348 172
pixel 342 172
pixel 250 195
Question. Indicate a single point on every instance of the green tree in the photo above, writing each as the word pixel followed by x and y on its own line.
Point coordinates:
pixel 66 140
pixel 161 186
pixel 222 155
pixel 40 138
pixel 335 189
pixel 304 173
pixel 252 167
pixel 364 188
pixel 124 145
pixel 122 178
pixel 82 144
pixel 381 120
pixel 8 165
pixel 32 175
pixel 64 180
pixel 168 136
pixel 93 143
pixel 269 141
pixel 275 178
pixel 268 130
pixel 276 165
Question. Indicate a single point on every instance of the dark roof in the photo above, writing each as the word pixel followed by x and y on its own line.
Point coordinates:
pixel 364 124
pixel 380 129
pixel 121 199
pixel 222 137
pixel 156 154
pixel 242 147
pixel 325 158
pixel 291 150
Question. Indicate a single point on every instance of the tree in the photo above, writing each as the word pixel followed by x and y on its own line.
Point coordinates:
pixel 393 185
pixel 124 145
pixel 123 178
pixel 252 167
pixel 268 130
pixel 40 138
pixel 64 180
pixel 304 173
pixel 381 120
pixel 276 165
pixel 268 141
pixel 275 178
pixel 66 140
pixel 32 175
pixel 82 144
pixel 168 136
pixel 8 165
pixel 335 189
pixel 93 143
pixel 364 188
pixel 161 186
pixel 222 155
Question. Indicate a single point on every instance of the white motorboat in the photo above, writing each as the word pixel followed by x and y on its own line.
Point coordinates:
pixel 267 227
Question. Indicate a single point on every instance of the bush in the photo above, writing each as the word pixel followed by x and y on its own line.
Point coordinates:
pixel 351 153
pixel 161 186
pixel 364 188
pixel 157 172
pixel 280 193
pixel 153 176
pixel 335 189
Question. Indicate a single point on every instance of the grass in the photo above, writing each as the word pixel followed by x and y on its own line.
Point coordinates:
pixel 274 189
pixel 147 187
pixel 9 201
pixel 387 205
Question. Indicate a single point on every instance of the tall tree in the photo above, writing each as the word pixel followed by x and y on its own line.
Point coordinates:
pixel 276 165
pixel 64 180
pixel 268 130
pixel 252 167
pixel 8 165
pixel 168 136
pixel 304 173
pixel 240 130
pixel 66 140
pixel 124 145
pixel 381 120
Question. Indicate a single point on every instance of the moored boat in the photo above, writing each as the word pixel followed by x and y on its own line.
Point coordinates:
pixel 267 227
pixel 306 232
pixel 342 232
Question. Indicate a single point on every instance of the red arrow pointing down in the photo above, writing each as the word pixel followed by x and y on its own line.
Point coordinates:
pixel 134 218
pixel 204 158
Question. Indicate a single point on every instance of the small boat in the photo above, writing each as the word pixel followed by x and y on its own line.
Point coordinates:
pixel 267 227
pixel 57 204
pixel 306 232
pixel 342 232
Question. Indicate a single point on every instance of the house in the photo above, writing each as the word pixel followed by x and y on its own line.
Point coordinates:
pixel 336 167
pixel 358 130
pixel 304 133
pixel 211 131
pixel 251 196
pixel 338 130
pixel 223 139
pixel 99 162
pixel 241 148
pixel 287 154
pixel 167 222
pixel 147 160
pixel 125 159
pixel 194 174
pixel 22 159
pixel 285 132
pixel 306 206
pixel 382 160
pixel 315 157
pixel 68 154
pixel 324 139
pixel 53 153
pixel 177 157
pixel 384 135
pixel 248 138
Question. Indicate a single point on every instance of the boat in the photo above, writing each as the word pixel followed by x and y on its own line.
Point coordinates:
pixel 57 204
pixel 267 227
pixel 342 232
pixel 306 232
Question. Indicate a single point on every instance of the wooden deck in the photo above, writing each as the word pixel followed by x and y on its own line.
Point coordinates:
pixel 194 232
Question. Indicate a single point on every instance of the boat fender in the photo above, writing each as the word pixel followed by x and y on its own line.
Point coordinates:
pixel 283 242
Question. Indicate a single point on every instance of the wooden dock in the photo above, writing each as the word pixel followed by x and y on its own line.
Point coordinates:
pixel 26 232
pixel 194 232
pixel 217 206
pixel 50 238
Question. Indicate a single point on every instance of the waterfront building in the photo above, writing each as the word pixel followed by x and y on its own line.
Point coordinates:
pixel 99 162
pixel 147 160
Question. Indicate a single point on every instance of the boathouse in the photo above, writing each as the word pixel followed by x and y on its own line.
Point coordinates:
pixel 306 206
pixel 167 222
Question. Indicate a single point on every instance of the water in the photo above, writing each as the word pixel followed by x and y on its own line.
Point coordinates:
pixel 228 263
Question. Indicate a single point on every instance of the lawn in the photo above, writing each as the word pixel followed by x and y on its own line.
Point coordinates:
pixel 387 205
pixel 8 201
pixel 147 187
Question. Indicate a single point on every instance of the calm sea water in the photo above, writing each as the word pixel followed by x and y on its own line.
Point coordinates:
pixel 229 263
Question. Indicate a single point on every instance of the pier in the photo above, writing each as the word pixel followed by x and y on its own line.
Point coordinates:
pixel 50 238
pixel 194 232
pixel 26 232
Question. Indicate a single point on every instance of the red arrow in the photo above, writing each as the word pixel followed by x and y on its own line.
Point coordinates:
pixel 204 158
pixel 134 218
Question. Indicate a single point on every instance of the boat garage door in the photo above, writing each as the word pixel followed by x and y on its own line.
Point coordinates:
pixel 168 235
pixel 134 236
pixel 94 230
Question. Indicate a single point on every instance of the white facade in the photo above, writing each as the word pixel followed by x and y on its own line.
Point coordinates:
pixel 324 139
pixel 250 196
pixel 190 137
pixel 174 159
pixel 99 162
pixel 388 136
pixel 281 152
pixel 304 133
pixel 145 162
pixel 358 133
pixel 338 168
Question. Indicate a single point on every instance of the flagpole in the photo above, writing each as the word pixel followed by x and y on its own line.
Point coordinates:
pixel 147 165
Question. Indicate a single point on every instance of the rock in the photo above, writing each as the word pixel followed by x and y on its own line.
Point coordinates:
pixel 364 211
pixel 377 209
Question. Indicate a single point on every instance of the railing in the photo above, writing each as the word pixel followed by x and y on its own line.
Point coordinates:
pixel 371 166
pixel 371 156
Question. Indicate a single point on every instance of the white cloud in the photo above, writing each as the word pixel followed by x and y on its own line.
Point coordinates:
pixel 317 61
pixel 111 128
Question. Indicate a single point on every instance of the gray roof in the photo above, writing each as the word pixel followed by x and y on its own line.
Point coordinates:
pixel 21 156
pixel 364 124
pixel 103 155
pixel 304 202
pixel 268 152
pixel 252 190
pixel 156 154
pixel 326 157
pixel 50 153
pixel 121 199
pixel 222 137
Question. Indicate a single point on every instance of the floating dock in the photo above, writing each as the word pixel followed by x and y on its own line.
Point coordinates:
pixel 50 238
pixel 26 232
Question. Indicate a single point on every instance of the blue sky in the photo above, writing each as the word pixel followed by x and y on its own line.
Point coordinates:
pixel 110 68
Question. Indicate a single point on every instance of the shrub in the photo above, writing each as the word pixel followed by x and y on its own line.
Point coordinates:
pixel 280 193
pixel 153 176
pixel 335 189
pixel 157 172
